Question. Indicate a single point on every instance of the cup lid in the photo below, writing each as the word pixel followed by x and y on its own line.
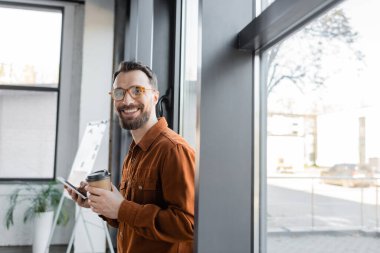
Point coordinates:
pixel 98 175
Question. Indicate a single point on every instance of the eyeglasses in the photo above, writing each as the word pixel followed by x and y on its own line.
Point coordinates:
pixel 135 92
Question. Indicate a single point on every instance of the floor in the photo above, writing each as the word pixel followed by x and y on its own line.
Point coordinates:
pixel 353 242
pixel 25 249
pixel 327 242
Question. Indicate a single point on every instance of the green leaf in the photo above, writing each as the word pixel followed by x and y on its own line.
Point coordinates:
pixel 29 214
pixel 40 199
pixel 9 217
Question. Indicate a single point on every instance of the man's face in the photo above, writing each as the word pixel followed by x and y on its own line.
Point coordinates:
pixel 135 112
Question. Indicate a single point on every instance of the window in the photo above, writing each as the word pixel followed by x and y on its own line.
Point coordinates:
pixel 30 51
pixel 189 72
pixel 323 154
pixel 316 151
pixel 265 4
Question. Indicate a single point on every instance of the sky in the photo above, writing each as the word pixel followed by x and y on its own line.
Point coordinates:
pixel 347 86
pixel 347 94
pixel 30 37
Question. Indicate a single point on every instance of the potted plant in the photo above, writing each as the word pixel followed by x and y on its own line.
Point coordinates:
pixel 42 202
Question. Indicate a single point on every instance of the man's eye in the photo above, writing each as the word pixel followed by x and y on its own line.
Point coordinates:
pixel 119 93
pixel 138 90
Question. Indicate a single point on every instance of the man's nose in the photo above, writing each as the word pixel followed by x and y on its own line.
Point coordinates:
pixel 128 99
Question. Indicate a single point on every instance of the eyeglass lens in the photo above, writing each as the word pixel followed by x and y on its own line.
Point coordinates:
pixel 134 91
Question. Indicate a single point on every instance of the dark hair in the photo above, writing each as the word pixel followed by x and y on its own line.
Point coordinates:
pixel 126 66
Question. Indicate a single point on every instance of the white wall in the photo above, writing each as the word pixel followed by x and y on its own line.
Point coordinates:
pixel 338 136
pixel 95 101
pixel 97 62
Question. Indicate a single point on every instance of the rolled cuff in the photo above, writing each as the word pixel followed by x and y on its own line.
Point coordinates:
pixel 112 222
pixel 128 212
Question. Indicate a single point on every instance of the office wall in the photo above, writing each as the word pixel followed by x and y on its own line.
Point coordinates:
pixel 95 102
pixel 225 166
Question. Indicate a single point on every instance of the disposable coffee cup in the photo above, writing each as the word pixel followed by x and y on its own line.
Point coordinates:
pixel 100 179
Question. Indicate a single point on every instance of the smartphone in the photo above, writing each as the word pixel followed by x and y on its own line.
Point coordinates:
pixel 68 184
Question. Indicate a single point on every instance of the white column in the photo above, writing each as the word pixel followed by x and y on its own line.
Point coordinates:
pixel 95 101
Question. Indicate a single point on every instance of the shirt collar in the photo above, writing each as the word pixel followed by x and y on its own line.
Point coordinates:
pixel 152 134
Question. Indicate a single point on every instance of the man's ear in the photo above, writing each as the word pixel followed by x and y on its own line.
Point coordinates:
pixel 156 96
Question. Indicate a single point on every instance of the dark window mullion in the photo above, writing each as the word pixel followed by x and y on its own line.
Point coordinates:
pixel 27 88
pixel 279 20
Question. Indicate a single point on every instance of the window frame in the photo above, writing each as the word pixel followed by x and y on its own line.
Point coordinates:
pixel 67 10
pixel 278 21
pixel 183 108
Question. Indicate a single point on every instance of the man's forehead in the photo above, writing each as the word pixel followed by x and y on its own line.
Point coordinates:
pixel 132 74
pixel 132 77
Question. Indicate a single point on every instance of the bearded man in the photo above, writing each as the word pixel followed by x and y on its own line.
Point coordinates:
pixel 154 209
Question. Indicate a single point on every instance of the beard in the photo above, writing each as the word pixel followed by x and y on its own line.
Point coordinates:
pixel 136 123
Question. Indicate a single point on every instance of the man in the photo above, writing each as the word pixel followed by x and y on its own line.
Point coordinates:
pixel 154 210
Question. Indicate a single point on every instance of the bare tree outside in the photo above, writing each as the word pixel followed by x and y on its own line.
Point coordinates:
pixel 311 48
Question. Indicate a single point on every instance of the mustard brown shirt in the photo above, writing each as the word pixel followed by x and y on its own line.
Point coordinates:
pixel 157 214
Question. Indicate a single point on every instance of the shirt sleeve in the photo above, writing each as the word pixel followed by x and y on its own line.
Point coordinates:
pixel 112 222
pixel 176 222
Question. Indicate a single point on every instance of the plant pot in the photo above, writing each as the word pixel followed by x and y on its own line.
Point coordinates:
pixel 42 227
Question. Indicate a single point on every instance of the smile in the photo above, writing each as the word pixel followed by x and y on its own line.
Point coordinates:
pixel 132 110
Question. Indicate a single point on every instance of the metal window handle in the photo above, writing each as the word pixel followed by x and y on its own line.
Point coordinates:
pixel 167 99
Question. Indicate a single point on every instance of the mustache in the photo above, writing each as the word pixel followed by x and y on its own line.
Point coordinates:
pixel 128 107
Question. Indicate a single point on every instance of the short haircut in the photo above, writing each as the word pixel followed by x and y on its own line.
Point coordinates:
pixel 126 66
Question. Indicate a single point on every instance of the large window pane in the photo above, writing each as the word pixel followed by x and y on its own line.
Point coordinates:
pixel 30 49
pixel 30 46
pixel 189 72
pixel 27 134
pixel 323 150
pixel 265 4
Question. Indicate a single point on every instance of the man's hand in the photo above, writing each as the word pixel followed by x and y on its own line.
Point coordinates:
pixel 74 196
pixel 104 202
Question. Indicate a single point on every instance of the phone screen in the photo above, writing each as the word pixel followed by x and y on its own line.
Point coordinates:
pixel 68 184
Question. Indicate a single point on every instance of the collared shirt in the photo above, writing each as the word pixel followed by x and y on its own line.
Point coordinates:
pixel 157 214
